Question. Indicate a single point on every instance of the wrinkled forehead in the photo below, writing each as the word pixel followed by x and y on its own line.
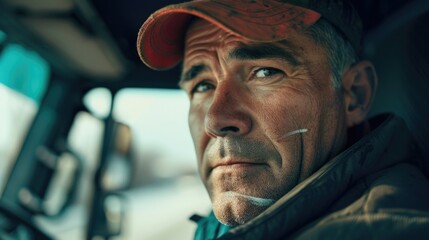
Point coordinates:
pixel 203 34
pixel 197 27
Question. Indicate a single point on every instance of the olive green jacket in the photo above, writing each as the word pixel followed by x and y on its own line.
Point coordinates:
pixel 373 190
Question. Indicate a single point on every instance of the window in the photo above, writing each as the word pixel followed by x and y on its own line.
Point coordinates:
pixel 167 187
pixel 24 77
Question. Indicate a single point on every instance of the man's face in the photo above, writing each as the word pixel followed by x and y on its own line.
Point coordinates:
pixel 263 116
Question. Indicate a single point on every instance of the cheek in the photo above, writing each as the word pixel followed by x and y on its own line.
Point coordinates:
pixel 196 118
pixel 283 116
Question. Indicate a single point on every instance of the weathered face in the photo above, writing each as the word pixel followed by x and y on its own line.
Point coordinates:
pixel 263 117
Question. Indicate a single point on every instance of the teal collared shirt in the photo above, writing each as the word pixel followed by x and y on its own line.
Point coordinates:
pixel 208 227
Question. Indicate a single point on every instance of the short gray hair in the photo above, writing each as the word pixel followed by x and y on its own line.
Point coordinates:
pixel 341 54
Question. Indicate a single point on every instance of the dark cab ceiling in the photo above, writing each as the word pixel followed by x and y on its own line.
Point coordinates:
pixel 98 37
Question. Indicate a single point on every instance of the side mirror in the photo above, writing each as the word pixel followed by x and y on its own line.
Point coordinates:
pixel 53 184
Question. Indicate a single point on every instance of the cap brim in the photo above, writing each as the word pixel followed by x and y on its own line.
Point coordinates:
pixel 161 38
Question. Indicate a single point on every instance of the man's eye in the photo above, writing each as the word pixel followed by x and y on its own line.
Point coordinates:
pixel 202 87
pixel 266 72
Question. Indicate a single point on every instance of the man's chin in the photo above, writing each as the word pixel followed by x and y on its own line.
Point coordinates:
pixel 235 211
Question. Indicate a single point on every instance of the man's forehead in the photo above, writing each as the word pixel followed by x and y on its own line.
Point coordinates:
pixel 238 49
pixel 197 26
pixel 201 31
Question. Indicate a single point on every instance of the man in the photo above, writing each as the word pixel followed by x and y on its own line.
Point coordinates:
pixel 278 106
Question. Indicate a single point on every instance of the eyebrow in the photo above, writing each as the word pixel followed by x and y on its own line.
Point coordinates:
pixel 249 52
pixel 192 73
pixel 263 50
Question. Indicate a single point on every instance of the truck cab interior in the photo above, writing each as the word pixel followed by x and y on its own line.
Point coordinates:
pixel 95 145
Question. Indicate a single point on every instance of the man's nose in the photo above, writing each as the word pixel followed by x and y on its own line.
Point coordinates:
pixel 228 113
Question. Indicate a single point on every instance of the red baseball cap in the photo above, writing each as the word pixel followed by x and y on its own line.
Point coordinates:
pixel 160 40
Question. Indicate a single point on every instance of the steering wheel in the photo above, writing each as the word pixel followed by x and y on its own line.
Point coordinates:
pixel 17 224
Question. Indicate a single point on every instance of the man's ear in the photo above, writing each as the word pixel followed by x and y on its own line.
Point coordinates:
pixel 359 86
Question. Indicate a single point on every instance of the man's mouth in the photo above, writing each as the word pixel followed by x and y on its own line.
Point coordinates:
pixel 236 165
